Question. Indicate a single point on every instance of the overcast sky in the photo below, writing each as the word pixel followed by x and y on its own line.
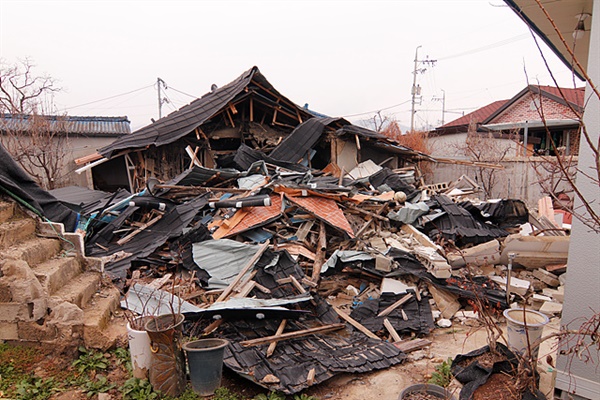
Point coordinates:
pixel 343 58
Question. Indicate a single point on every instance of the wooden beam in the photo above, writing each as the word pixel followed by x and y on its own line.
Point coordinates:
pixel 355 324
pixel 391 330
pixel 244 270
pixel 395 305
pixel 251 109
pixel 148 224
pixel 292 335
pixel 280 329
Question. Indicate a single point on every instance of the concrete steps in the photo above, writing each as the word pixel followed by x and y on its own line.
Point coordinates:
pixel 78 291
pixel 101 328
pixel 16 231
pixel 54 273
pixel 48 297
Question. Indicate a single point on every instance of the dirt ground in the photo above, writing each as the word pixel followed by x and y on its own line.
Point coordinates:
pixel 384 384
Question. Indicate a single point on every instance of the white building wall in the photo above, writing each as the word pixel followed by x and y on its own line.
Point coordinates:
pixel 582 291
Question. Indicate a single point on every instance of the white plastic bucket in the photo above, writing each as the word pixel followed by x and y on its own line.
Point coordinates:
pixel 521 324
pixel 139 348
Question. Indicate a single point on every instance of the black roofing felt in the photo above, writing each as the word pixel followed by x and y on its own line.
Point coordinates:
pixel 245 156
pixel 420 318
pixel 175 219
pixel 458 225
pixel 329 354
pixel 295 146
pixel 86 201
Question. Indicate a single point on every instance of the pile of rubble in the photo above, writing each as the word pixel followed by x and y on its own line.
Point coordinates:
pixel 313 273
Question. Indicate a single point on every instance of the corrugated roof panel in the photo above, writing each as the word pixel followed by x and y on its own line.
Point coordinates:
pixel 73 125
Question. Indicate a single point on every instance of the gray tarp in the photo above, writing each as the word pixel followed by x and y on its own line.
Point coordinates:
pixel 223 259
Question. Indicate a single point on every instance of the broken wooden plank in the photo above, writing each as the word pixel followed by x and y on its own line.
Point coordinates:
pixel 355 324
pixel 213 326
pixel 391 330
pixel 279 331
pixel 244 271
pixel 246 289
pixel 310 378
pixel 407 346
pixel 321 253
pixel 292 335
pixel 148 224
pixel 395 305
pixel 297 284
pixel 159 282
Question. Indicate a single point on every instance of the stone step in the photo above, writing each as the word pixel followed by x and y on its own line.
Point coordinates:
pixel 7 210
pixel 57 272
pixel 33 251
pixel 102 327
pixel 78 291
pixel 16 231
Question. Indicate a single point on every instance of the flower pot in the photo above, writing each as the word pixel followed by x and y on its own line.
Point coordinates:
pixel 167 370
pixel 426 388
pixel 205 359
pixel 139 347
pixel 521 325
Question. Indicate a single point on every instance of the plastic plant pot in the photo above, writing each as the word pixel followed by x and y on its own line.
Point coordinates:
pixel 205 359
pixel 521 324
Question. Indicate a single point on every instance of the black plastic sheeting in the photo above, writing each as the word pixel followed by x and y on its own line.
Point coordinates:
pixel 387 177
pixel 473 374
pixel 505 213
pixel 329 354
pixel 14 181
pixel 458 225
pixel 183 246
pixel 420 318
pixel 296 145
pixel 171 225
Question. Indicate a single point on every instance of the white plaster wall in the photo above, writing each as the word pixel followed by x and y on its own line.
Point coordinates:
pixel 582 291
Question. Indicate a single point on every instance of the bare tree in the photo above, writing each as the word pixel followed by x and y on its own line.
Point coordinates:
pixel 37 140
pixel 484 148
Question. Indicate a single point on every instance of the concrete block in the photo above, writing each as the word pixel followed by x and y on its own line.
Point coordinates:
pixel 551 308
pixel 21 280
pixel 9 331
pixel 382 263
pixel 31 311
pixel 517 285
pixel 32 331
pixel 7 210
pixel 547 277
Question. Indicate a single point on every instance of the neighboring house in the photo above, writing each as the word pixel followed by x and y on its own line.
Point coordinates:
pixel 521 134
pixel 247 119
pixel 65 138
pixel 531 118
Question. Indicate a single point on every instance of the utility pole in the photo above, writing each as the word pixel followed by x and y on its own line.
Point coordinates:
pixel 416 89
pixel 443 100
pixel 161 101
pixel 443 105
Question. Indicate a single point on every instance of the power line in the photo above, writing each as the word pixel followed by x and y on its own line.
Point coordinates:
pixel 376 111
pixel 179 91
pixel 487 47
pixel 108 98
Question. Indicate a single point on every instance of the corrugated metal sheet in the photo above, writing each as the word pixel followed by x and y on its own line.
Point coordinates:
pixel 90 126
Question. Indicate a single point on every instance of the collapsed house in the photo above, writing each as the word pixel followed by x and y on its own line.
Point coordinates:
pixel 232 123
